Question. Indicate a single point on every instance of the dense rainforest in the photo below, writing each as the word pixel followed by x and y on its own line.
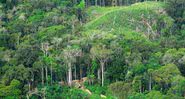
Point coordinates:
pixel 92 49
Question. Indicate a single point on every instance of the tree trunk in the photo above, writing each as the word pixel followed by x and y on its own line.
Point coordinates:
pixel 87 3
pixel 81 72
pixel 100 2
pixel 99 70
pixel 67 78
pixel 120 2
pixel 42 73
pixel 75 73
pixel 51 70
pixel 96 2
pixel 27 96
pixel 150 83
pixel 44 96
pixel 18 41
pixel 102 73
pixel 69 74
pixel 140 87
pixel 103 2
pixel 127 2
pixel 32 80
pixel 73 25
pixel 29 85
pixel 46 69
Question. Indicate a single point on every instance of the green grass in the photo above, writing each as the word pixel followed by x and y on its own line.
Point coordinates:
pixel 127 20
pixel 114 15
pixel 97 11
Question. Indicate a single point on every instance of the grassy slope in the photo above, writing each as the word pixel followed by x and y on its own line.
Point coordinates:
pixel 126 20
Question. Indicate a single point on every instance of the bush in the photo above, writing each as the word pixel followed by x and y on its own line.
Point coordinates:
pixel 137 96
pixel 120 89
pixel 95 96
pixel 77 94
pixel 97 89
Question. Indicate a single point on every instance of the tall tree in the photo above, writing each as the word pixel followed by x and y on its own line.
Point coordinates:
pixel 102 54
pixel 70 53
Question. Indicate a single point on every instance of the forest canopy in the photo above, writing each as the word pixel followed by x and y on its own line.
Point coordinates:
pixel 92 49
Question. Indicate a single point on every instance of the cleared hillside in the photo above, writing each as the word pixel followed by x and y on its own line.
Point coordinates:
pixel 149 18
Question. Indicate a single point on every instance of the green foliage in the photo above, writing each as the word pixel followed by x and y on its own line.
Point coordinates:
pixel 69 93
pixel 36 17
pixel 100 52
pixel 47 33
pixel 165 73
pixel 26 54
pixel 95 96
pixel 120 89
pixel 97 89
pixel 177 88
pixel 54 91
pixel 20 73
pixel 81 5
pixel 155 95
pixel 94 66
pixel 137 96
pixel 12 90
pixel 137 50
pixel 78 94
pixel 176 8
